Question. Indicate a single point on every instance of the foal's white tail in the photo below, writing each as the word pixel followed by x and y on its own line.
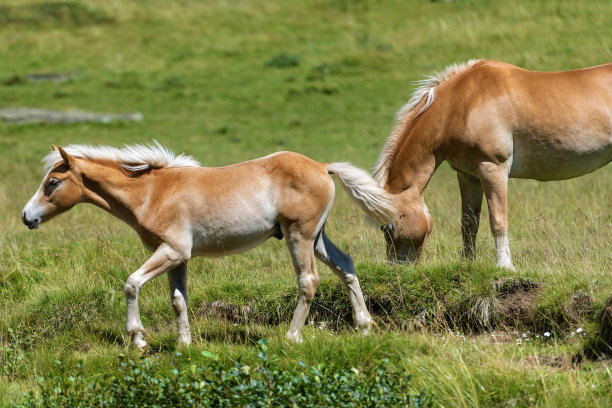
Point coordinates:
pixel 372 199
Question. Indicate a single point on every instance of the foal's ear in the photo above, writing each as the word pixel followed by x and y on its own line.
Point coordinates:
pixel 67 159
pixel 54 147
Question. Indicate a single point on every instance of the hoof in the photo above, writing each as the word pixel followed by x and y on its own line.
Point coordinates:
pixel 295 337
pixel 184 341
pixel 508 266
pixel 366 328
pixel 139 342
pixel 365 323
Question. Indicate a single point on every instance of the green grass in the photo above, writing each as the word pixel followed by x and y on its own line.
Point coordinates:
pixel 230 80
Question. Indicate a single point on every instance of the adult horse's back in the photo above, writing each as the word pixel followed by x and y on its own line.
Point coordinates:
pixel 490 121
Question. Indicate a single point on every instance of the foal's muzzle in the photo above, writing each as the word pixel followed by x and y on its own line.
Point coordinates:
pixel 32 224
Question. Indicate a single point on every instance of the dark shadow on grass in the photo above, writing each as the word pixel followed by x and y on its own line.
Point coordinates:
pixel 110 337
pixel 599 347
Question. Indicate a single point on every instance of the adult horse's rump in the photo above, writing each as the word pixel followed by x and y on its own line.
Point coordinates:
pixel 181 210
pixel 490 121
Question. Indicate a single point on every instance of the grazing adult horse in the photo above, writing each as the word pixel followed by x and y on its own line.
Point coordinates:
pixel 181 210
pixel 491 120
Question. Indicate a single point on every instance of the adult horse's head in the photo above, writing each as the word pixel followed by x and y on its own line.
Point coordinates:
pixel 59 191
pixel 405 237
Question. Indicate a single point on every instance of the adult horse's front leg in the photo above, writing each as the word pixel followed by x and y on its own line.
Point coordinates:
pixel 471 204
pixel 177 278
pixel 494 179
pixel 164 259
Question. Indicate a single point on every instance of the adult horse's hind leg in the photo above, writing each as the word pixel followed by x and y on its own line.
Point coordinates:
pixel 177 279
pixel 164 259
pixel 342 265
pixel 471 203
pixel 494 178
pixel 302 255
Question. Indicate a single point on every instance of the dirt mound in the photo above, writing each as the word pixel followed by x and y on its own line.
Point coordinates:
pixel 517 299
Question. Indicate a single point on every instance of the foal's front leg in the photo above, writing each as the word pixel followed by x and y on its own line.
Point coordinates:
pixel 164 259
pixel 177 278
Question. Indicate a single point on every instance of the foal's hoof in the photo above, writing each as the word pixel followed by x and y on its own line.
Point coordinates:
pixel 364 322
pixel 366 327
pixel 139 342
pixel 295 337
pixel 183 341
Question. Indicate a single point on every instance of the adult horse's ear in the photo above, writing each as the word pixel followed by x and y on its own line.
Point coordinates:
pixel 54 147
pixel 67 158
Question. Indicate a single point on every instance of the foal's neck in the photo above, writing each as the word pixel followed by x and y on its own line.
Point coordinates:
pixel 110 188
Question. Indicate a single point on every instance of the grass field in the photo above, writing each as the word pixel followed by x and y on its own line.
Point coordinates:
pixel 231 80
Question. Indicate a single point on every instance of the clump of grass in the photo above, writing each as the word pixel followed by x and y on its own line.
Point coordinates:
pixel 140 383
pixel 126 80
pixel 73 13
pixel 283 61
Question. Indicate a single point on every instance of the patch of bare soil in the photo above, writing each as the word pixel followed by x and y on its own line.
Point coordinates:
pixel 517 300
pixel 563 362
pixel 231 312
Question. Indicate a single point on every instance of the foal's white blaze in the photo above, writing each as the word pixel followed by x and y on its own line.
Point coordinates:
pixel 35 209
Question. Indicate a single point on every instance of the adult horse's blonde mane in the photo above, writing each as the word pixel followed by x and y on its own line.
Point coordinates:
pixel 425 92
pixel 133 158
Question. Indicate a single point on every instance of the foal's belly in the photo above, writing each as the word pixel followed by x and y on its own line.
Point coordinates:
pixel 558 158
pixel 232 239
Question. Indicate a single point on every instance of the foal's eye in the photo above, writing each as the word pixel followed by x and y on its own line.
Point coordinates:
pixel 54 182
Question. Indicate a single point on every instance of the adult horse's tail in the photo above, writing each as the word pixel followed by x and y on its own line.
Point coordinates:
pixel 372 199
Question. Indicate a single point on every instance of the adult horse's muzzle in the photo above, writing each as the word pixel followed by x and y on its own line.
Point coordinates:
pixel 30 223
pixel 399 248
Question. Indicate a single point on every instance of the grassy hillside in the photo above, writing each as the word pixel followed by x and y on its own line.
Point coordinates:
pixel 230 80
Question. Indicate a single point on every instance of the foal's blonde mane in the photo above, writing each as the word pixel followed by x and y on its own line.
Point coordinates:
pixel 422 98
pixel 134 158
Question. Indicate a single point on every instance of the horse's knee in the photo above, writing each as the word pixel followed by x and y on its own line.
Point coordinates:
pixel 499 226
pixel 308 286
pixel 131 289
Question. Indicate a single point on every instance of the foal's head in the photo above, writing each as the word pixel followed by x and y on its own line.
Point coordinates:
pixel 59 191
pixel 406 235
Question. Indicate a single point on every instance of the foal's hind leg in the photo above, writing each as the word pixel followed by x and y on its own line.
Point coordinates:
pixel 494 179
pixel 342 265
pixel 471 203
pixel 177 278
pixel 302 255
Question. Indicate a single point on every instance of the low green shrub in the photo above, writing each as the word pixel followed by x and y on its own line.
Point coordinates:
pixel 142 384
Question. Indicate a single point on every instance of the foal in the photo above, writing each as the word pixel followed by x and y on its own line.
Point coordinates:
pixel 181 210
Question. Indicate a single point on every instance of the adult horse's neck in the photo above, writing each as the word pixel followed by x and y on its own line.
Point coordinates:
pixel 110 188
pixel 415 160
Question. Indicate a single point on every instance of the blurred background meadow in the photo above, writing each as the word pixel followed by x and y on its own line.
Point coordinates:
pixel 231 80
